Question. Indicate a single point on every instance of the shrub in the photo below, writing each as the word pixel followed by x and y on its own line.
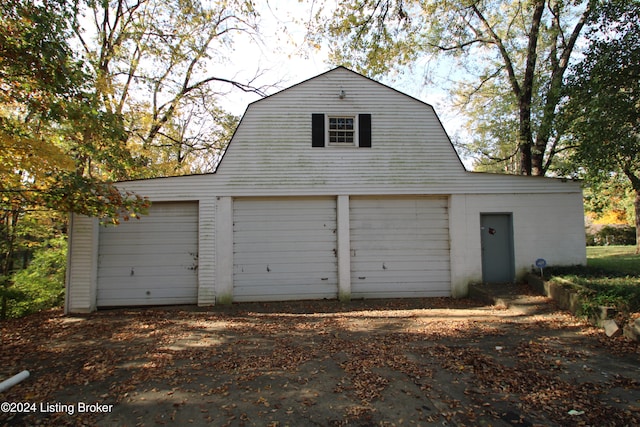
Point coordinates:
pixel 41 285
pixel 612 235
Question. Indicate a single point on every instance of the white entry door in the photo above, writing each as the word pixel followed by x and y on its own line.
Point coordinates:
pixel 284 249
pixel 399 247
pixel 152 260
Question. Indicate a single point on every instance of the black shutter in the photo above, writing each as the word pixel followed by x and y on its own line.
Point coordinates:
pixel 317 130
pixel 364 130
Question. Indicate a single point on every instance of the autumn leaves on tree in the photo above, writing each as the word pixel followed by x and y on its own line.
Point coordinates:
pixel 97 91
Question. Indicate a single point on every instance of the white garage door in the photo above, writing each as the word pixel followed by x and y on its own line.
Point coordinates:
pixel 399 247
pixel 284 249
pixel 150 261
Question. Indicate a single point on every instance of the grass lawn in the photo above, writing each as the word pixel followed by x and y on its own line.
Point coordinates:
pixel 612 277
pixel 622 259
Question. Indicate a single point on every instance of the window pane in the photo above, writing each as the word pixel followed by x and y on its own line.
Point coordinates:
pixel 349 123
pixel 341 130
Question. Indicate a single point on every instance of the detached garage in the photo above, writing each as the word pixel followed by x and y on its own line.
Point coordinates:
pixel 337 187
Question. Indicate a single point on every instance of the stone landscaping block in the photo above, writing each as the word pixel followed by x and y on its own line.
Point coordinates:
pixel 632 330
pixel 611 328
pixel 569 299
pixel 603 313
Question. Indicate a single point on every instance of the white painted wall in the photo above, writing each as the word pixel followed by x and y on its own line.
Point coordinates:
pixel 207 251
pixel 223 284
pixel 343 242
pixel 549 226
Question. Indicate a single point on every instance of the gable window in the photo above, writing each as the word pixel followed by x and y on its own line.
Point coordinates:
pixel 341 130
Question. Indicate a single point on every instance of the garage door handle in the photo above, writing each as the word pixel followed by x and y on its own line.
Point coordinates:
pixel 362 277
pixel 324 278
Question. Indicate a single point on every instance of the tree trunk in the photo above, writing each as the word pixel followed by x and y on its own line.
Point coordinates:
pixel 528 156
pixel 525 138
pixel 537 162
pixel 635 184
pixel 525 157
pixel 10 219
pixel 637 209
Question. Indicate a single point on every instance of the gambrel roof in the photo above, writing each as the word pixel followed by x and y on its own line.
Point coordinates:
pixel 272 152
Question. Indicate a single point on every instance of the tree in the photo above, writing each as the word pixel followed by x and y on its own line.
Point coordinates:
pixel 511 51
pixel 604 104
pixel 59 149
pixel 157 64
pixel 609 201
pixel 132 97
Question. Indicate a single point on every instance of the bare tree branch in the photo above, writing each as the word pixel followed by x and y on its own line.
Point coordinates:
pixel 557 75
pixel 503 51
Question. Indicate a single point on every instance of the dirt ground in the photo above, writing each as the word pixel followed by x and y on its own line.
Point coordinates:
pixel 366 363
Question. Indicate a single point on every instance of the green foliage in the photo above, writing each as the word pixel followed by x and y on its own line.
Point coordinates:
pixel 508 61
pixel 603 110
pixel 612 235
pixel 609 201
pixel 604 92
pixel 36 63
pixel 41 285
pixel 621 293
pixel 611 278
pixel 605 289
pixel 374 36
pixel 55 137
pixel 21 234
pixel 493 126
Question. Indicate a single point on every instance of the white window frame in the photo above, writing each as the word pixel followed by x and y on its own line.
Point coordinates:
pixel 327 119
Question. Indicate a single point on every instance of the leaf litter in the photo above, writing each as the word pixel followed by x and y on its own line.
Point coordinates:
pixel 397 362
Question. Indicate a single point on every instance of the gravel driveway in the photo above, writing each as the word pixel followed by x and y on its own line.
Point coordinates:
pixel 400 362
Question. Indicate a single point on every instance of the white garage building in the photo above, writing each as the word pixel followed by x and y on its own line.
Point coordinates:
pixel 337 187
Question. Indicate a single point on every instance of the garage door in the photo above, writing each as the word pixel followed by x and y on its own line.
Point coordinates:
pixel 399 247
pixel 150 261
pixel 284 249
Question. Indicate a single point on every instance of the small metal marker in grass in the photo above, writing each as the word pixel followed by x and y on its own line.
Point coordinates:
pixel 541 263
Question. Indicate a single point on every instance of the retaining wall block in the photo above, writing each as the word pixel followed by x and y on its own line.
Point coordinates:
pixel 569 299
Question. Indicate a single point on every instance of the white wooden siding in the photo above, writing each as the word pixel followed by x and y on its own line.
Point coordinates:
pixel 150 261
pixel 206 251
pixel 284 249
pixel 271 154
pixel 399 247
pixel 81 265
pixel 272 146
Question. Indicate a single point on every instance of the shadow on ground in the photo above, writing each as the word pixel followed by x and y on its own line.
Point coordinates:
pixel 395 362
